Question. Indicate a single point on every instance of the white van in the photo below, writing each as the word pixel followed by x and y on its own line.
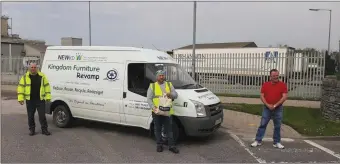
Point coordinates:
pixel 109 84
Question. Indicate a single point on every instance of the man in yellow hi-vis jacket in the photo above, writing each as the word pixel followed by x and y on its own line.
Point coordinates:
pixel 155 90
pixel 35 89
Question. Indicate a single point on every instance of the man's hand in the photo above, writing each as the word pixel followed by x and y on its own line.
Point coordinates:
pixel 270 106
pixel 155 109
pixel 168 95
pixel 21 102
pixel 275 106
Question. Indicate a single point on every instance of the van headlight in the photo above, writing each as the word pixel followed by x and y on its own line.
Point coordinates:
pixel 200 109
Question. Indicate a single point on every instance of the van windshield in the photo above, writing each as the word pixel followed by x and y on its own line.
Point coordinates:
pixel 140 75
pixel 173 73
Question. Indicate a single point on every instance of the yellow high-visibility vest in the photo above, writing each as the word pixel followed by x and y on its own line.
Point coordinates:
pixel 24 88
pixel 158 92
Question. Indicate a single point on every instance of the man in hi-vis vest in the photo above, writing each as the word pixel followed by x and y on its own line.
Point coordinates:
pixel 35 90
pixel 157 89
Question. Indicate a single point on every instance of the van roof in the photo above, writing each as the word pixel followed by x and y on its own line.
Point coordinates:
pixel 142 54
pixel 97 48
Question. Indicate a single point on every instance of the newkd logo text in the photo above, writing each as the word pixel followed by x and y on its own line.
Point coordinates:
pixel 70 57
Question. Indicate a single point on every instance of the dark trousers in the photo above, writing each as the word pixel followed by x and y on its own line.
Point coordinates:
pixel 167 122
pixel 268 114
pixel 32 106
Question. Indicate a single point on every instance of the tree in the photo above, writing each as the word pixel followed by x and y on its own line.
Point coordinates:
pixel 330 65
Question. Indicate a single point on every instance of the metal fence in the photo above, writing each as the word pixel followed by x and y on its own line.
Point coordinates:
pixel 244 73
pixel 228 73
pixel 12 68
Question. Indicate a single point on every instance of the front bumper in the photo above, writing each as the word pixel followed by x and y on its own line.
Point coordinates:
pixel 205 126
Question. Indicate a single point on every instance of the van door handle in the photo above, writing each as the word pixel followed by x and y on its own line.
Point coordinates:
pixel 124 95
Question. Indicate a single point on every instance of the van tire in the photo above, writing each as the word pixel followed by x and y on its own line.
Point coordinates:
pixel 62 116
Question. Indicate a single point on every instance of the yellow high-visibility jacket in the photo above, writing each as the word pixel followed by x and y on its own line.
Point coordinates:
pixel 24 87
pixel 158 92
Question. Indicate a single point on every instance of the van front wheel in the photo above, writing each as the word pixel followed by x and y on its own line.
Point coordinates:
pixel 62 116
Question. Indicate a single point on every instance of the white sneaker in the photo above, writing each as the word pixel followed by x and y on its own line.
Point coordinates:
pixel 278 145
pixel 255 143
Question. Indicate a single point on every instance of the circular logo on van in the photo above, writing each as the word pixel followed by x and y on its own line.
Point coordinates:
pixel 112 75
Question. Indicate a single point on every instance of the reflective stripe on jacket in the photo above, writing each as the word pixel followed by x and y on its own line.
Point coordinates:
pixel 24 88
pixel 157 90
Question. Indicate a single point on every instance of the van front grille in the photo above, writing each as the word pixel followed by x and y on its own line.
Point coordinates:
pixel 213 109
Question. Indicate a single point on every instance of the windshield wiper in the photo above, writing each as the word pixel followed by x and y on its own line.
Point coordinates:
pixel 187 85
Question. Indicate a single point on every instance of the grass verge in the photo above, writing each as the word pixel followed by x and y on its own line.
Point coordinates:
pixel 306 121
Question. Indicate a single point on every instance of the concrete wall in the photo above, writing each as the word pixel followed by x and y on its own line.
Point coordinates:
pixel 330 99
pixel 11 64
pixel 4 27
pixel 17 49
pixel 30 51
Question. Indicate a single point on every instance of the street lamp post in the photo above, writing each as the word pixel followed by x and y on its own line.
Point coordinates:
pixel 194 42
pixel 90 35
pixel 339 58
pixel 330 25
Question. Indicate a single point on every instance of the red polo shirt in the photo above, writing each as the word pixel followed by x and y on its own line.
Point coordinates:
pixel 273 92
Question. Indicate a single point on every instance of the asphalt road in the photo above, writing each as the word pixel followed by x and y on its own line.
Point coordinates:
pixel 98 142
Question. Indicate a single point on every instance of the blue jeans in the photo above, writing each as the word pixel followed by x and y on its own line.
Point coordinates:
pixel 267 114
pixel 167 123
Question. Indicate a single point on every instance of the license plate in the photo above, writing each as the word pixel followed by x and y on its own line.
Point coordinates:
pixel 218 121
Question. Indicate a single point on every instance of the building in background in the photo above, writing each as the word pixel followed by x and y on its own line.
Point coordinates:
pixel 15 46
pixel 220 45
pixel 18 53
pixel 15 51
pixel 70 41
pixel 216 46
pixel 4 26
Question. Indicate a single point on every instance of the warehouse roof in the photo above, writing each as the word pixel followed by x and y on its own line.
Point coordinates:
pixel 221 45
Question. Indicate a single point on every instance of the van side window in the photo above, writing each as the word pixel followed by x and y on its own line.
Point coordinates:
pixel 137 83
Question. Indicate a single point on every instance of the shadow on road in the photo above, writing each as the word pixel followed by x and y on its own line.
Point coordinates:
pixel 107 127
pixel 140 132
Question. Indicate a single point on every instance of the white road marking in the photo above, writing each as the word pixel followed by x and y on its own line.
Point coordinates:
pixel 323 148
pixel 237 139
pixel 270 139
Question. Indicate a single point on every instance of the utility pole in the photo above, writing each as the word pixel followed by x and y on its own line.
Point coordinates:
pixel 90 23
pixel 194 41
pixel 339 58
pixel 329 31
pixel 329 26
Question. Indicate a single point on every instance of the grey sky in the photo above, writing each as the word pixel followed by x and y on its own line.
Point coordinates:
pixel 168 25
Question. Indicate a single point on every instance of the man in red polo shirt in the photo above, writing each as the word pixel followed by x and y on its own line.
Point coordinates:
pixel 273 95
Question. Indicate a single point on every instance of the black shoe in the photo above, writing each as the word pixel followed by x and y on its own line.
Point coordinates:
pixel 32 132
pixel 159 148
pixel 46 132
pixel 174 150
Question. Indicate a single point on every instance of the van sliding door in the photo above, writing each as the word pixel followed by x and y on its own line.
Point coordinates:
pixel 136 108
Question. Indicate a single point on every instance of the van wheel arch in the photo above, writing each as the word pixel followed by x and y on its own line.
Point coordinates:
pixel 181 130
pixel 59 107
